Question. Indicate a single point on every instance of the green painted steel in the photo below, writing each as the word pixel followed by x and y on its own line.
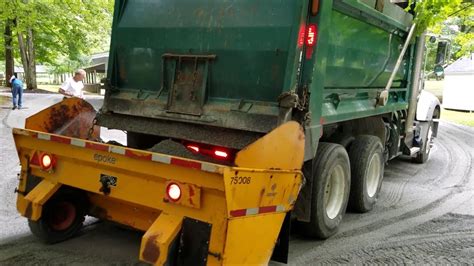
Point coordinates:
pixel 360 53
pixel 251 41
pixel 235 64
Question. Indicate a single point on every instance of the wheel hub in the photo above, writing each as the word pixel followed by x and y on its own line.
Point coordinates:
pixel 334 192
pixel 62 216
pixel 373 175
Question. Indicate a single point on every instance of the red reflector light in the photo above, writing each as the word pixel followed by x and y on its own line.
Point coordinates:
pixel 173 191
pixel 35 159
pixel 46 161
pixel 311 36
pixel 193 148
pixel 221 154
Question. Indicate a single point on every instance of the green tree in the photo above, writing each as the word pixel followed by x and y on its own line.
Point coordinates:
pixel 431 12
pixel 453 19
pixel 53 32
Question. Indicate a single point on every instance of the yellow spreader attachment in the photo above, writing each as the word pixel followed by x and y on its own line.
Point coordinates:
pixel 192 212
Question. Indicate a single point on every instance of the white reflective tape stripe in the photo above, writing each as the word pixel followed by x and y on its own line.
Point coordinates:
pixel 117 150
pixel 44 136
pixel 160 158
pixel 78 143
pixel 280 208
pixel 209 167
pixel 251 211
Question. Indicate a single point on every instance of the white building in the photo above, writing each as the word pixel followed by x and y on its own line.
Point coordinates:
pixel 458 92
pixel 42 74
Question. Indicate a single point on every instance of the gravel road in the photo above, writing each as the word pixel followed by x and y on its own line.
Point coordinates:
pixel 425 213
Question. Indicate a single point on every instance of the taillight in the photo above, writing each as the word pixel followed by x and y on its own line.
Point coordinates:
pixel 46 161
pixel 173 191
pixel 301 35
pixel 221 154
pixel 193 148
pixel 311 39
pixel 312 35
pixel 213 151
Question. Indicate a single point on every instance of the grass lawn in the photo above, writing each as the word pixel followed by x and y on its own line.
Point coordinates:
pixel 55 88
pixel 459 117
pixel 51 88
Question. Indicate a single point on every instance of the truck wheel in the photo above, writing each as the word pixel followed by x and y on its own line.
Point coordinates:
pixel 367 165
pixel 427 139
pixel 61 218
pixel 330 191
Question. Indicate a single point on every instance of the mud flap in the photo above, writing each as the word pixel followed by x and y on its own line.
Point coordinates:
pixel 280 252
pixel 302 209
pixel 193 246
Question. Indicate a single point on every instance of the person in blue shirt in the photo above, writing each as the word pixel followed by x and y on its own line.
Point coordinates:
pixel 17 91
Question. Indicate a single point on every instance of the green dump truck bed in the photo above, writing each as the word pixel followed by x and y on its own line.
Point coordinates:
pixel 192 69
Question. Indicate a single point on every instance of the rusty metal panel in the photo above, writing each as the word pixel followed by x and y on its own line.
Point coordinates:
pixel 72 117
pixel 188 84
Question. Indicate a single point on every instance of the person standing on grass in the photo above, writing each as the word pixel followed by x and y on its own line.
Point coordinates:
pixel 17 92
pixel 72 87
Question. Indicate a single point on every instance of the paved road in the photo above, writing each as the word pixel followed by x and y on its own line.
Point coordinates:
pixel 424 215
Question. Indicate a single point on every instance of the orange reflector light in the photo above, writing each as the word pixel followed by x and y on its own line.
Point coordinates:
pixel 221 154
pixel 173 191
pixel 315 7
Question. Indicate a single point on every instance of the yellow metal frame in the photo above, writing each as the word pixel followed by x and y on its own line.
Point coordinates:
pixel 246 205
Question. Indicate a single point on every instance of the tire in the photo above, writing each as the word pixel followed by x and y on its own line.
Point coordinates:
pixel 427 139
pixel 330 191
pixel 367 166
pixel 61 218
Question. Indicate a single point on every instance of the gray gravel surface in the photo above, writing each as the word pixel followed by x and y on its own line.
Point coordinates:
pixel 425 214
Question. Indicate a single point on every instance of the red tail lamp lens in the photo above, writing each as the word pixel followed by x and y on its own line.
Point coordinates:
pixel 46 161
pixel 311 37
pixel 221 154
pixel 173 191
pixel 301 36
pixel 193 148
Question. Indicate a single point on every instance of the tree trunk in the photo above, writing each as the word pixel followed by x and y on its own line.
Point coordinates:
pixel 9 61
pixel 24 57
pixel 27 53
pixel 31 59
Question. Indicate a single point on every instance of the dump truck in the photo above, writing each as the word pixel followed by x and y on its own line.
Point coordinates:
pixel 243 119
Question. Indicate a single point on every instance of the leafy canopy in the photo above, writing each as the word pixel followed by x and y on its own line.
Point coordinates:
pixel 64 30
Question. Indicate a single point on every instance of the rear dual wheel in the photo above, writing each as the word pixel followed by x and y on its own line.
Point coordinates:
pixel 340 179
pixel 330 191
pixel 367 166
pixel 62 217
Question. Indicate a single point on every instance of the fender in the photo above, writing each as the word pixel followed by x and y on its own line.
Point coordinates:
pixel 426 106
